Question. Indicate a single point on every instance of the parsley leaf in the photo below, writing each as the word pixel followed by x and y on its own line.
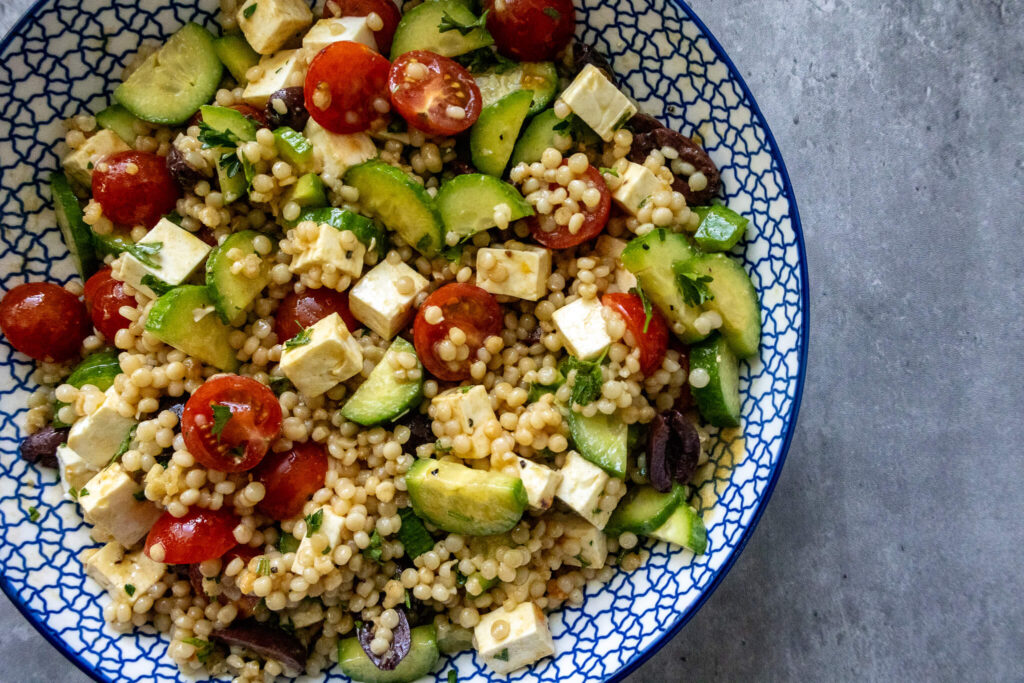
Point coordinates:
pixel 287 543
pixel 73 492
pixel 449 23
pixel 485 59
pixel 83 492
pixel 279 385
pixel 33 513
pixel 609 171
pixel 503 655
pixel 249 11
pixel 441 449
pixel 210 137
pixel 139 495
pixel 586 387
pixel 648 311
pixel 375 550
pixel 145 251
pixel 693 287
pixel 408 601
pixel 221 416
pixel 301 339
pixel 129 589
pixel 263 566
pixel 453 677
pixel 126 443
pixel 203 648
pixel 313 522
pixel 552 12
pixel 158 286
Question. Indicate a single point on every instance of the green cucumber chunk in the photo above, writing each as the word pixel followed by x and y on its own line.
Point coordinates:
pixel 233 183
pixel 601 439
pixel 419 29
pixel 77 235
pixel 538 135
pixel 719 400
pixel 295 148
pixel 493 136
pixel 172 320
pixel 233 293
pixel 308 191
pixel 463 500
pixel 644 509
pixel 383 397
pixel 414 536
pixel 468 202
pixel 401 203
pixel 720 227
pixel 651 258
pixel 99 369
pixel 120 120
pixel 684 528
pixel 173 82
pixel 421 659
pixel 733 297
pixel 369 233
pixel 540 78
pixel 236 55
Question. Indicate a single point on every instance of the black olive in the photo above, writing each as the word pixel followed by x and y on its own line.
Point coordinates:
pixel 583 54
pixel 266 641
pixel 41 447
pixel 652 138
pixel 287 107
pixel 183 173
pixel 401 642
pixel 673 450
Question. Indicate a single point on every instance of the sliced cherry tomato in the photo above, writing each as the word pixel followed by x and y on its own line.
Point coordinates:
pixel 291 478
pixel 385 9
pixel 433 93
pixel 198 536
pixel 134 188
pixel 307 308
pixel 44 321
pixel 343 85
pixel 104 297
pixel 531 30
pixel 229 422
pixel 554 236
pixel 654 342
pixel 467 307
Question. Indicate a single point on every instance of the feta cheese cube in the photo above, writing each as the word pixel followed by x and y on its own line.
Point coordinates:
pixel 540 483
pixel 583 484
pixel 331 526
pixel 331 355
pixel 97 438
pixel 112 507
pixel 331 250
pixel 74 471
pixel 611 248
pixel 376 301
pixel 80 163
pixel 583 328
pixel 528 639
pixel 180 254
pixel 284 69
pixel 517 270
pixel 593 543
pixel 126 576
pixel 335 153
pixel 327 31
pixel 638 185
pixel 269 25
pixel 471 408
pixel 602 106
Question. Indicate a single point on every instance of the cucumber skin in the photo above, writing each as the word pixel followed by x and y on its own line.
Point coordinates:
pixel 467 194
pixel 462 523
pixel 625 517
pixel 173 311
pixel 217 273
pixel 535 138
pixel 685 528
pixel 719 401
pixel 236 55
pixel 120 120
pixel 422 657
pixel 720 228
pixel 581 430
pixel 100 370
pixel 77 235
pixel 372 403
pixel 417 30
pixel 493 137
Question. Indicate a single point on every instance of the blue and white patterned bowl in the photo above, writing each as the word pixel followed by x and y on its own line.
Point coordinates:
pixel 53 65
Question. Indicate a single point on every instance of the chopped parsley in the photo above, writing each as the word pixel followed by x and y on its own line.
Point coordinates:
pixel 408 601
pixel 301 339
pixel 313 522
pixel 287 543
pixel 263 566
pixel 129 589
pixel 586 387
pixel 156 284
pixel 648 311
pixel 203 648
pixel 33 513
pixel 139 495
pixel 279 385
pixel 449 23
pixel 145 251
pixel 485 59
pixel 609 171
pixel 583 562
pixel 221 416
pixel 249 11
pixel 441 449
pixel 552 12
pixel 126 443
pixel 694 287
pixel 453 677
pixel 503 655
pixel 375 551
pixel 211 137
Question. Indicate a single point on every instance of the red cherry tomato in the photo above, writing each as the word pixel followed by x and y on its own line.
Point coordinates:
pixel 309 307
pixel 467 307
pixel 198 536
pixel 385 9
pixel 433 93
pixel 244 434
pixel 44 321
pixel 290 479
pixel 554 236
pixel 134 188
pixel 652 343
pixel 531 30
pixel 104 297
pixel 344 82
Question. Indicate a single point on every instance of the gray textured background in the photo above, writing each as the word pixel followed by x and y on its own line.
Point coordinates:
pixel 892 548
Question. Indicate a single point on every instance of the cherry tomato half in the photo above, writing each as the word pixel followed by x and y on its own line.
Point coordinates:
pixel 652 343
pixel 531 30
pixel 198 536
pixel 554 236
pixel 463 306
pixel 385 9
pixel 433 93
pixel 343 85
pixel 229 422
pixel 104 297
pixel 134 188
pixel 44 321
pixel 309 307
pixel 291 478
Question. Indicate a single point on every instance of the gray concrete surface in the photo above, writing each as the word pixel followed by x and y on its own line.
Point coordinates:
pixel 892 549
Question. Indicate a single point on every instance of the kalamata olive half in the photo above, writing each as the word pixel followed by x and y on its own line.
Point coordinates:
pixel 689 153
pixel 401 641
pixel 287 107
pixel 183 172
pixel 583 54
pixel 673 450
pixel 266 641
pixel 41 447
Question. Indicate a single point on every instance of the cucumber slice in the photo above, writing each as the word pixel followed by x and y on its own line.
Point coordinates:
pixel 540 78
pixel 233 293
pixel 463 500
pixel 422 657
pixel 173 320
pixel 720 227
pixel 227 120
pixel 644 509
pixel 493 136
pixel 308 191
pixel 401 203
pixel 735 299
pixel 235 53
pixel 366 231
pixel 295 148
pixel 684 528
pixel 77 235
pixel 100 370
pixel 467 203
pixel 601 439
pixel 120 120
pixel 171 84
pixel 382 397
pixel 651 258
pixel 419 30
pixel 719 400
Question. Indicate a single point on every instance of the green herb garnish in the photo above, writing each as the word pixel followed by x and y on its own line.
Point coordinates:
pixel 221 416
pixel 694 287
pixel 129 589
pixel 648 310
pixel 552 12
pixel 158 286
pixel 503 655
pixel 375 550
pixel 287 543
pixel 586 387
pixel 485 59
pixel 249 11
pixel 279 385
pixel 453 677
pixel 609 171
pixel 301 339
pixel 263 566
pixel 313 522
pixel 211 137
pixel 33 513
pixel 145 251
pixel 126 443
pixel 203 648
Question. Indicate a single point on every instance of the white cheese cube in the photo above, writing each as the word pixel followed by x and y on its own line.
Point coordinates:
pixel 611 248
pixel 638 185
pixel 593 98
pixel 180 254
pixel 517 270
pixel 583 484
pixel 331 526
pixel 80 164
pixel 308 613
pixel 471 408
pixel 97 438
pixel 540 483
pixel 284 69
pixel 331 251
pixel 331 355
pixel 112 507
pixel 126 576
pixel 593 543
pixel 335 153
pixel 583 328
pixel 376 301
pixel 528 639
pixel 74 471
pixel 333 30
pixel 269 25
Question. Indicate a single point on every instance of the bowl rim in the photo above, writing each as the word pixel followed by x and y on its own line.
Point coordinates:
pixel 804 336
